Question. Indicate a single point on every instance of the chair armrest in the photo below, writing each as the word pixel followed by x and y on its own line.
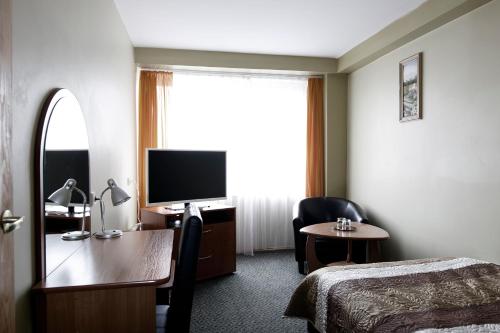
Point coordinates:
pixel 300 239
pixel 298 224
pixel 357 213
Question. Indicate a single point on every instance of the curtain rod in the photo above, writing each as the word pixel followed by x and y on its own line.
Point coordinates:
pixel 233 73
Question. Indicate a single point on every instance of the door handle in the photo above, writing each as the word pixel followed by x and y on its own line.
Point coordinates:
pixel 9 222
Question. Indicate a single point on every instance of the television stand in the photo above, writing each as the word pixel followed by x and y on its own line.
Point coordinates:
pixel 181 207
pixel 176 210
pixel 176 207
pixel 218 241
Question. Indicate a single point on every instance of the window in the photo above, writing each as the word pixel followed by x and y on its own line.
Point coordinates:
pixel 261 122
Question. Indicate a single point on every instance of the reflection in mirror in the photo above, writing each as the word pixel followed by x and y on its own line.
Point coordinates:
pixel 66 129
pixel 64 155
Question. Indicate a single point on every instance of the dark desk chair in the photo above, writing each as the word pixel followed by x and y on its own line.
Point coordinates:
pixel 176 317
pixel 327 209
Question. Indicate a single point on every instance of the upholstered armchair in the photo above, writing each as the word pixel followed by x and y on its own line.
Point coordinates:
pixel 326 209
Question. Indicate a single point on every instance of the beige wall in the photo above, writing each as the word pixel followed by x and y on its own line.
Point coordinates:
pixel 82 46
pixel 335 134
pixel 434 184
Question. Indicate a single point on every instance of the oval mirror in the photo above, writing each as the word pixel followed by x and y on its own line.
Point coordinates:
pixel 62 153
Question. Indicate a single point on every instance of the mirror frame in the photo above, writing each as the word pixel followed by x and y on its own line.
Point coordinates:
pixel 51 100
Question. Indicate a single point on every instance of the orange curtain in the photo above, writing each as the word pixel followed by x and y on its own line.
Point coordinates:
pixel 151 86
pixel 315 164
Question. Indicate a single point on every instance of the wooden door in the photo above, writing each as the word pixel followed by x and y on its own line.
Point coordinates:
pixel 6 239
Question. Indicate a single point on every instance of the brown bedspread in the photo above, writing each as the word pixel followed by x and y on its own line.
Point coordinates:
pixel 430 295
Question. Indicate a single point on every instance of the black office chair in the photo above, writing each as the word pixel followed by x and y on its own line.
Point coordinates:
pixel 176 317
pixel 327 209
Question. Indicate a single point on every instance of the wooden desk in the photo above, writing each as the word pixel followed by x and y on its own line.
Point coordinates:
pixel 363 231
pixel 106 285
pixel 58 250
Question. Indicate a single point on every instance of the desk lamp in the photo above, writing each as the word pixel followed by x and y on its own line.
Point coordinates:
pixel 118 196
pixel 62 197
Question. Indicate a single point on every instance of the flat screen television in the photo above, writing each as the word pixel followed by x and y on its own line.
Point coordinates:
pixel 59 166
pixel 183 176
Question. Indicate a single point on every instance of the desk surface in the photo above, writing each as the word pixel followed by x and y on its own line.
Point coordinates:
pixel 135 259
pixel 363 231
pixel 58 250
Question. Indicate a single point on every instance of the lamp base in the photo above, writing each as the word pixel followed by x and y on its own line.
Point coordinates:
pixel 75 235
pixel 109 234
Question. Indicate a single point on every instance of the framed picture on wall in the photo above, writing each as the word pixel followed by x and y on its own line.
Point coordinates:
pixel 410 88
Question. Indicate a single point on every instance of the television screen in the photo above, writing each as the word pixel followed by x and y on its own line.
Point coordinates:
pixel 59 166
pixel 175 176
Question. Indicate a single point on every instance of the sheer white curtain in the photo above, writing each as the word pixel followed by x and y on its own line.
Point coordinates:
pixel 261 123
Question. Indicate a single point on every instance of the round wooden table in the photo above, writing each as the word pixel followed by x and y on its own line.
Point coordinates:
pixel 363 231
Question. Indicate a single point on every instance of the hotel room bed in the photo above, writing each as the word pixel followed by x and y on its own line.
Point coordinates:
pixel 428 295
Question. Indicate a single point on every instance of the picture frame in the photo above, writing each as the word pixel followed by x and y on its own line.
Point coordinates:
pixel 410 88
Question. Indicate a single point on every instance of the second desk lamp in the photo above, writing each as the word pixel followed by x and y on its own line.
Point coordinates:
pixel 118 196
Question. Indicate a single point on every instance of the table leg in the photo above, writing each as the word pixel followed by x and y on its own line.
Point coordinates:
pixel 373 249
pixel 349 251
pixel 312 261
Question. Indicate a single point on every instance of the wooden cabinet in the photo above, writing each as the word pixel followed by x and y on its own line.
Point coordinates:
pixel 218 242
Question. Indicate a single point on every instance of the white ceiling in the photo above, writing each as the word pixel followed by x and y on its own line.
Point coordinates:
pixel 322 28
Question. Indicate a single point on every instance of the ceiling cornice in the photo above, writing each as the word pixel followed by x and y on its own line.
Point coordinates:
pixel 429 16
pixel 161 58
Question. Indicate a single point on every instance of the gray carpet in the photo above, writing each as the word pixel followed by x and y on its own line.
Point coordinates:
pixel 251 300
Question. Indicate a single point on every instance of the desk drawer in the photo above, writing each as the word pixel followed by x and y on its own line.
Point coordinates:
pixel 217 254
pixel 206 267
pixel 209 237
pixel 217 250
